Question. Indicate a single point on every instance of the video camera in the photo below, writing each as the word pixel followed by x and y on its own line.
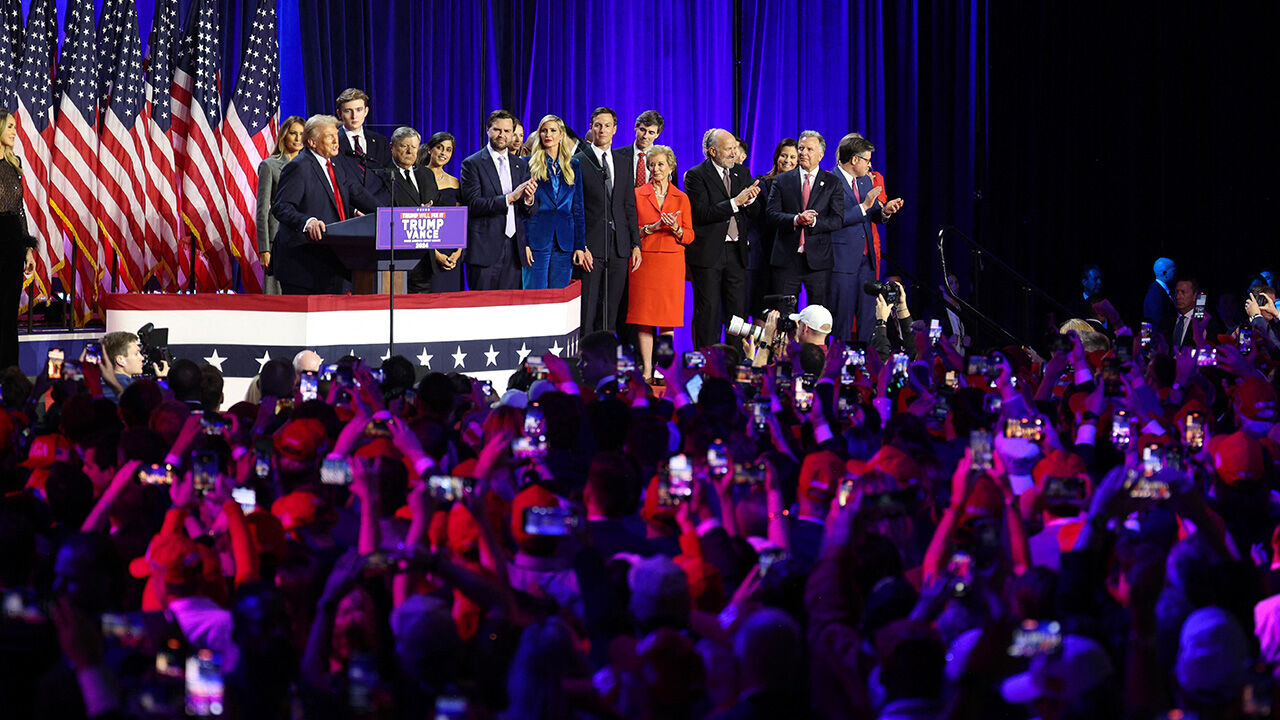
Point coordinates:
pixel 153 343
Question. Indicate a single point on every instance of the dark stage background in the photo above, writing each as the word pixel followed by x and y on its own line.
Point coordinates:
pixel 1053 133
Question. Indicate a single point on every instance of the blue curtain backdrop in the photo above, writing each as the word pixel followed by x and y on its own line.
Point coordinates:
pixel 909 74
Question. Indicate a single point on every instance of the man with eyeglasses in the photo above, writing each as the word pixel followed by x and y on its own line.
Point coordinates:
pixel 853 243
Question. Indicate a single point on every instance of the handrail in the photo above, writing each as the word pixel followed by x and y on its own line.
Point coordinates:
pixel 964 304
pixel 979 250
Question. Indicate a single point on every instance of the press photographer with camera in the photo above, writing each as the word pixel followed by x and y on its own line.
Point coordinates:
pixel 124 354
pixel 891 303
pixel 811 326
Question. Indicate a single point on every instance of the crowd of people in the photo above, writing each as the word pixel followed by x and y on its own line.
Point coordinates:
pixel 558 207
pixel 791 526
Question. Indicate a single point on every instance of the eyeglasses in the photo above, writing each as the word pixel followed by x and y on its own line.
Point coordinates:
pixel 863 159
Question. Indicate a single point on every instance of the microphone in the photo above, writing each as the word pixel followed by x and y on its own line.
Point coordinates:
pixel 362 157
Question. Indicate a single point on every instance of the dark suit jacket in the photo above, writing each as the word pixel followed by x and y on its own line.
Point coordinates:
pixel 605 212
pixel 378 150
pixel 704 185
pixel 304 193
pixel 629 154
pixel 481 192
pixel 851 239
pixel 405 194
pixel 557 222
pixel 1157 307
pixel 784 204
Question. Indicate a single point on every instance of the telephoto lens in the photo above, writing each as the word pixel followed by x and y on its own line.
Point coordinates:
pixel 743 329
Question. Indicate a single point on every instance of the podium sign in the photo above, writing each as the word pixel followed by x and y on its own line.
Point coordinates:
pixel 419 228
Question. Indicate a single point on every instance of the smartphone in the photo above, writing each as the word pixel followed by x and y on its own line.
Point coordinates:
pixel 486 388
pixel 263 451
pixel 1065 491
pixel 854 360
pixel 1259 693
pixel 247 497
pixel 803 396
pixel 92 353
pixel 951 379
pixel 450 488
pixel 981 365
pixel 309 386
pixel 161 474
pixel 205 686
pixel 1193 431
pixel 694 360
pixel 344 375
pixel 535 423
pixel 23 606
pixel 676 484
pixel 718 458
pixel 693 386
pixel 935 331
pixel 125 630
pixel 551 521
pixel 1121 430
pixel 205 467
pixel 664 351
pixel 941 405
pixel 625 368
pixel 980 450
pixel 749 474
pixel 1206 357
pixel 54 365
pixel 768 558
pixel 992 403
pixel 1144 335
pixel 1036 638
pixel 362 681
pixel 845 491
pixel 760 414
pixel 529 448
pixel 536 367
pixel 212 423
pixel 1111 373
pixel 1145 488
pixel 335 471
pixel 1198 313
pixel 960 567
pixel 1025 428
pixel 377 428
pixel 452 707
pixel 900 364
pixel 1244 341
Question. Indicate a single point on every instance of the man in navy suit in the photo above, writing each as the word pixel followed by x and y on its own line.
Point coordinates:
pixel 305 202
pixel 807 205
pixel 720 192
pixel 1157 306
pixel 851 244
pixel 360 149
pixel 496 189
pixel 613 233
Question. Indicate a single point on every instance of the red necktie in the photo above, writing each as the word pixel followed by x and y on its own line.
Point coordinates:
pixel 359 145
pixel 804 201
pixel 337 196
pixel 641 174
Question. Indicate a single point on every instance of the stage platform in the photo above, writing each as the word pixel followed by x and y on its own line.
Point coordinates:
pixel 482 334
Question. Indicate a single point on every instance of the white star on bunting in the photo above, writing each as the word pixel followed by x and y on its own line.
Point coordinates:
pixel 458 358
pixel 555 349
pixel 491 357
pixel 262 361
pixel 215 361
pixel 523 352
pixel 424 359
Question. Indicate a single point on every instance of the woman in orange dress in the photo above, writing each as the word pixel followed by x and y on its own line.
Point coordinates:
pixel 657 281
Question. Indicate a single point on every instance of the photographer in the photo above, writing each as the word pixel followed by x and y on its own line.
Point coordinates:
pixel 810 326
pixel 124 353
pixel 897 336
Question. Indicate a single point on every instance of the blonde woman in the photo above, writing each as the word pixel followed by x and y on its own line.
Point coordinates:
pixel 666 228
pixel 17 254
pixel 288 145
pixel 556 232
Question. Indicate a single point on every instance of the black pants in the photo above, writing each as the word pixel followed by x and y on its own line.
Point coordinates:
pixel 503 274
pixel 719 292
pixel 13 255
pixel 817 283
pixel 601 311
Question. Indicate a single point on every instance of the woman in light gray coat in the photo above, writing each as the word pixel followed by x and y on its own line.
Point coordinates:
pixel 288 146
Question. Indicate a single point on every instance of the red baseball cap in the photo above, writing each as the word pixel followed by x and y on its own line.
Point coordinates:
pixel 1255 399
pixel 897 464
pixel 176 558
pixel 1236 457
pixel 47 450
pixel 530 497
pixel 1059 464
pixel 821 475
pixel 301 440
pixel 298 509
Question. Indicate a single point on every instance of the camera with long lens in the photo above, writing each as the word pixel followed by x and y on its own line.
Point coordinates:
pixel 886 290
pixel 786 307
pixel 743 329
pixel 153 343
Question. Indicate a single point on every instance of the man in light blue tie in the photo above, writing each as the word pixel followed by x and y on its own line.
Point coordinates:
pixel 496 188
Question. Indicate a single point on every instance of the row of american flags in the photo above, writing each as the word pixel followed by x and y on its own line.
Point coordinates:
pixel 130 161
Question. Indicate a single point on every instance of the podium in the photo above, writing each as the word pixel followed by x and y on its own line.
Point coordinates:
pixel 375 243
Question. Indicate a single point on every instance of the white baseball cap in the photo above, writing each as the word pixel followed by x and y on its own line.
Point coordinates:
pixel 815 316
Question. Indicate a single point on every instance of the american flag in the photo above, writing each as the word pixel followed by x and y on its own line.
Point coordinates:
pixel 249 136
pixel 163 229
pixel 10 51
pixel 197 143
pixel 35 136
pixel 121 189
pixel 73 182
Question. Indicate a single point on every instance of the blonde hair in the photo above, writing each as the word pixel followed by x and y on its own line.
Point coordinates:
pixel 284 130
pixel 12 159
pixel 538 161
pixel 316 123
pixel 663 150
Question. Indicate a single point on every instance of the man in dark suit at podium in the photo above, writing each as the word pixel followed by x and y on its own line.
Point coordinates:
pixel 613 235
pixel 412 187
pixel 494 185
pixel 313 192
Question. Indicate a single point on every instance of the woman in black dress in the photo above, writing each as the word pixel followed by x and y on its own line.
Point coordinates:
pixel 448 263
pixel 17 256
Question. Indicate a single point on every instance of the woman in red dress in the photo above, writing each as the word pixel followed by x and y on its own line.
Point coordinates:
pixel 666 227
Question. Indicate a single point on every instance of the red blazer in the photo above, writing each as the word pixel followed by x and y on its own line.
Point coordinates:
pixel 648 212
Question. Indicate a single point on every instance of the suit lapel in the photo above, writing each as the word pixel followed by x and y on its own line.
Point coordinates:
pixel 323 177
pixel 491 169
